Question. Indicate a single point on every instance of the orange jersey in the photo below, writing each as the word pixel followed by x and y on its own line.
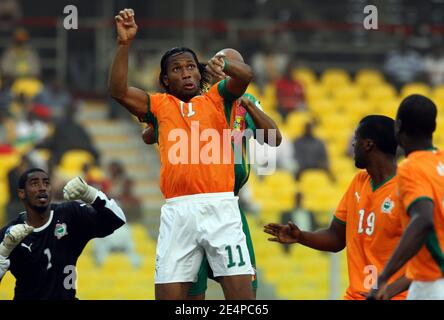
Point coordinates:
pixel 373 229
pixel 421 176
pixel 195 155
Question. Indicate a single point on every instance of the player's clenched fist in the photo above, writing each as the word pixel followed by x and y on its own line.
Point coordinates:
pixel 13 236
pixel 77 189
pixel 126 26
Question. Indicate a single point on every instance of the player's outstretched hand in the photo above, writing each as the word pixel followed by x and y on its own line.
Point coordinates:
pixel 282 233
pixel 13 236
pixel 77 189
pixel 126 26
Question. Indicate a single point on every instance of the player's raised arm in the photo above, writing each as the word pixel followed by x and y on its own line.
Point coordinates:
pixel 134 99
pixel 239 74
pixel 262 121
pixel 105 216
pixel 331 239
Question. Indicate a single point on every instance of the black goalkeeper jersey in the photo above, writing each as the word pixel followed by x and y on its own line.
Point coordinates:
pixel 44 262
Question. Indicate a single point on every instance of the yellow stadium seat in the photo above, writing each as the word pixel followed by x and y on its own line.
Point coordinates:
pixel 438 96
pixel 415 88
pixel 8 161
pixel 4 192
pixel 335 78
pixel 29 87
pixel 380 93
pixel 73 160
pixel 369 78
pixel 295 124
pixel 313 179
pixel 357 109
pixel 304 75
pixel 316 92
pixel 322 107
pixel 347 94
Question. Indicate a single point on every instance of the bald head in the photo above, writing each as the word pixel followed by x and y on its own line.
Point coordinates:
pixel 231 54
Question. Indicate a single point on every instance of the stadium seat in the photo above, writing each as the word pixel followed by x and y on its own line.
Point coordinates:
pixel 333 79
pixel 304 75
pixel 438 96
pixel 316 92
pixel 344 95
pixel 367 78
pixel 415 88
pixel 73 160
pixel 295 124
pixel 29 87
pixel 380 93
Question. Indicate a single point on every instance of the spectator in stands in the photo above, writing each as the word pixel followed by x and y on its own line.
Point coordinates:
pixel 5 92
pixel 311 153
pixel 403 65
pixel 120 186
pixel 10 12
pixel 121 189
pixel 434 66
pixel 7 131
pixel 289 93
pixel 68 135
pixel 31 127
pixel 268 65
pixel 300 216
pixel 56 97
pixel 15 205
pixel 20 60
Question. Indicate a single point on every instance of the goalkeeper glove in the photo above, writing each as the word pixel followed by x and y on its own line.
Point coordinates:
pixel 13 236
pixel 77 189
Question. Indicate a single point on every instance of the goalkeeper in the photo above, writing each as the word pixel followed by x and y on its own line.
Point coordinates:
pixel 42 245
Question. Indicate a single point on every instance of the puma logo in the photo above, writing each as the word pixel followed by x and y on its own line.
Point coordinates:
pixel 357 196
pixel 27 247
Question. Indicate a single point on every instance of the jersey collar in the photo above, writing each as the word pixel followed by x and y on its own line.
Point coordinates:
pixel 46 224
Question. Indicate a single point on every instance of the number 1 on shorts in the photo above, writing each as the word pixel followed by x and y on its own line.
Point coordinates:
pixel 231 262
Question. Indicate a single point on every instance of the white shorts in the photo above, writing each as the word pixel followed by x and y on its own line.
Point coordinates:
pixel 426 290
pixel 197 225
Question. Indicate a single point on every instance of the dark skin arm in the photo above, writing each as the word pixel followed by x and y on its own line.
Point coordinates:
pixel 262 121
pixel 239 74
pixel 331 239
pixel 414 237
pixel 134 99
pixel 396 287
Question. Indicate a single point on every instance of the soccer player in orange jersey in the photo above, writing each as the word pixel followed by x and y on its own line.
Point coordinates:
pixel 201 215
pixel 421 201
pixel 366 221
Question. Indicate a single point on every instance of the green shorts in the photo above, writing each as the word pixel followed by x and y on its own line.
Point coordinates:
pixel 205 271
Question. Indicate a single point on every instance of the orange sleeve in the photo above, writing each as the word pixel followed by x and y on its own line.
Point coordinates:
pixel 413 186
pixel 152 107
pixel 341 210
pixel 343 207
pixel 221 96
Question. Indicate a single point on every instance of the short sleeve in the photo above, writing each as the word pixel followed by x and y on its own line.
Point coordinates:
pixel 341 210
pixel 413 186
pixel 343 207
pixel 152 106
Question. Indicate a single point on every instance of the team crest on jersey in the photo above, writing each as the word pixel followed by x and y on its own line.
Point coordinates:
pixel 440 169
pixel 60 230
pixel 387 205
